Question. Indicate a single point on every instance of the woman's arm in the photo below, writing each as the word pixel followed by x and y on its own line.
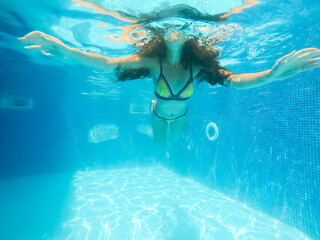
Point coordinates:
pixel 96 5
pixel 245 4
pixel 54 46
pixel 178 10
pixel 285 67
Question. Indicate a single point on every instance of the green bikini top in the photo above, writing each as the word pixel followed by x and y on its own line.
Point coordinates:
pixel 164 91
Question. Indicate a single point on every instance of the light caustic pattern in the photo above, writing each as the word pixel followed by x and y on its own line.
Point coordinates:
pixel 155 203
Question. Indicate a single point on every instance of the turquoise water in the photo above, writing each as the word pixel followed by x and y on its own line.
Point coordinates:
pixel 76 150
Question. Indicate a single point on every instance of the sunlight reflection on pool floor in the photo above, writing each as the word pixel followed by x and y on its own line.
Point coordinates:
pixel 155 203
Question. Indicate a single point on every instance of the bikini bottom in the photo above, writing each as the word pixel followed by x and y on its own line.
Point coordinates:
pixel 167 119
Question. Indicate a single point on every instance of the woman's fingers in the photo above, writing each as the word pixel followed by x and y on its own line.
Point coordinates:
pixel 305 51
pixel 314 60
pixel 301 56
pixel 34 37
pixel 24 40
pixel 310 66
pixel 310 54
pixel 33 47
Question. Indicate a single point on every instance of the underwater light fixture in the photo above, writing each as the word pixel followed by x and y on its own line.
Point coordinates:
pixel 11 101
pixel 103 132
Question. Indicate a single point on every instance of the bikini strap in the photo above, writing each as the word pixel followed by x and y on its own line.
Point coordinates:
pixel 160 65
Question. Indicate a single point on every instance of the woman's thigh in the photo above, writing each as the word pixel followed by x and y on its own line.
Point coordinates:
pixel 159 127
pixel 177 128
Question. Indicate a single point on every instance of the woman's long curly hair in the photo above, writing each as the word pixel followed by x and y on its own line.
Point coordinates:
pixel 193 52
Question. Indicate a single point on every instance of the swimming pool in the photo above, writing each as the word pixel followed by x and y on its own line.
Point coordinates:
pixel 77 156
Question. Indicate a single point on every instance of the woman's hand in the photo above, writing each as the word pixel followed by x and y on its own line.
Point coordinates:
pixel 295 62
pixel 50 45
pixel 43 42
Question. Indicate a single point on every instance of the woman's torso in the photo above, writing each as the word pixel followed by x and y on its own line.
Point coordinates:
pixel 177 77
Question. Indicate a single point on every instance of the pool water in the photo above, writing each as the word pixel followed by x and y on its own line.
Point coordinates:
pixel 76 149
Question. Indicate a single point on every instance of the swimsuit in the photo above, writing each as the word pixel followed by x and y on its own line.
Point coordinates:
pixel 167 119
pixel 164 92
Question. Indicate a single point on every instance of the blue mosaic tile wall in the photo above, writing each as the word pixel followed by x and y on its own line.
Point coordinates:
pixel 268 151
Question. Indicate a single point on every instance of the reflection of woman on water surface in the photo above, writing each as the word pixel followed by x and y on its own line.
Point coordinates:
pixel 174 61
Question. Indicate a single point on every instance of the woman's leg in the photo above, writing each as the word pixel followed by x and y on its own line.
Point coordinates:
pixel 159 127
pixel 176 128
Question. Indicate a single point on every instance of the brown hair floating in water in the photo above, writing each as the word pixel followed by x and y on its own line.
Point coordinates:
pixel 193 52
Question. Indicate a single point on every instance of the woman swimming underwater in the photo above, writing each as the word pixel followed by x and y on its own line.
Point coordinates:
pixel 174 61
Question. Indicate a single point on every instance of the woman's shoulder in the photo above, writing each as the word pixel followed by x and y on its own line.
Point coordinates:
pixel 152 63
pixel 149 60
